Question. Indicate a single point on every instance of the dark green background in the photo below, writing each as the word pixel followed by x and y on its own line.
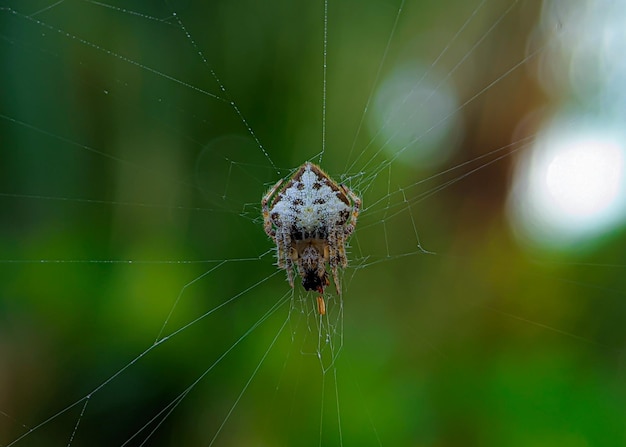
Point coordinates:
pixel 113 148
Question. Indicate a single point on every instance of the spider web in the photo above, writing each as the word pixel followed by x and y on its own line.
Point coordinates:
pixel 141 304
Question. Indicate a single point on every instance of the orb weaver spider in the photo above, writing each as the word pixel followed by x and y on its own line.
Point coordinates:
pixel 309 220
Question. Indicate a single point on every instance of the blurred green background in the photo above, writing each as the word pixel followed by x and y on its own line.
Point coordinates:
pixel 119 143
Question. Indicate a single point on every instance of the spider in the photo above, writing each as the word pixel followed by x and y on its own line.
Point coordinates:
pixel 310 219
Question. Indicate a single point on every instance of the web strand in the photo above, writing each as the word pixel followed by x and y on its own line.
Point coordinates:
pixel 481 305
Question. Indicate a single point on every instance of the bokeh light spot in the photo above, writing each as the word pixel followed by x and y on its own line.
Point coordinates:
pixel 414 115
pixel 584 176
pixel 570 187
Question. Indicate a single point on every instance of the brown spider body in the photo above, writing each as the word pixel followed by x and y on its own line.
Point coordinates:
pixel 310 219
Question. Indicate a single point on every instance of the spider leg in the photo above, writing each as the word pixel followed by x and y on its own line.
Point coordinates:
pixel 267 221
pixel 289 268
pixel 356 208
pixel 342 259
pixel 334 257
pixel 335 271
pixel 284 255
pixel 289 263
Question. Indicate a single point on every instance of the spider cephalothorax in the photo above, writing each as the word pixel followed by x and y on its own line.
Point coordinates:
pixel 310 219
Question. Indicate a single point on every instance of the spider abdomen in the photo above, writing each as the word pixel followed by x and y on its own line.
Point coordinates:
pixel 310 219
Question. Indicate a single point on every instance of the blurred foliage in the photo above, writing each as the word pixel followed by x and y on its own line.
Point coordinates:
pixel 119 143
